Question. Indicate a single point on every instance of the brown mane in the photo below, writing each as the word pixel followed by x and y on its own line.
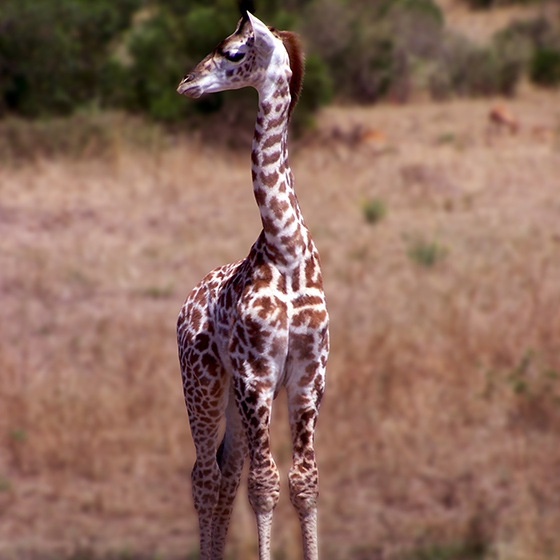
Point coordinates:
pixel 292 44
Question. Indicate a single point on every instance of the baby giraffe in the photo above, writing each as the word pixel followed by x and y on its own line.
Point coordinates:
pixel 259 324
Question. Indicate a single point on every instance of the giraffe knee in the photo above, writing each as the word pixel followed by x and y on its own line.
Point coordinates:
pixel 264 488
pixel 304 489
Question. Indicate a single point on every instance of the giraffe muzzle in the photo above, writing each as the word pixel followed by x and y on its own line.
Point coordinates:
pixel 188 88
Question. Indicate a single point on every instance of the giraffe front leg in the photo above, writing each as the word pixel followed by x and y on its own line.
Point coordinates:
pixel 264 492
pixel 264 480
pixel 304 490
pixel 303 476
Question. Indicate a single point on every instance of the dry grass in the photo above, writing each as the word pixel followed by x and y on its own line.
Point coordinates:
pixel 439 432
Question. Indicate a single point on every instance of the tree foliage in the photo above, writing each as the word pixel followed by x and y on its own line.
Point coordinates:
pixel 59 56
pixel 54 53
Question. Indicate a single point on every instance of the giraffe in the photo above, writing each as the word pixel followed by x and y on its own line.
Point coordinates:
pixel 255 326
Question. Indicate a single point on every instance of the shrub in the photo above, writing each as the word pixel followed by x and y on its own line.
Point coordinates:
pixel 535 45
pixel 487 4
pixel 154 47
pixel 53 52
pixel 59 55
pixel 545 67
pixel 176 36
pixel 317 91
pixel 374 210
pixel 465 69
pixel 480 4
pixel 369 47
pixel 426 253
pixel 524 36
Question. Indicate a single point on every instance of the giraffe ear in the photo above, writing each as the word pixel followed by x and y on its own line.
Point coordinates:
pixel 264 39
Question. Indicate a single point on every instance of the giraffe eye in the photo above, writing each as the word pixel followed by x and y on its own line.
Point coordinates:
pixel 234 57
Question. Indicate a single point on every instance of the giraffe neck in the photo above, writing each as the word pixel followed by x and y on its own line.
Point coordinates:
pixel 284 231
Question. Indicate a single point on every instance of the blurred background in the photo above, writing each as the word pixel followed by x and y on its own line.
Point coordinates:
pixel 426 151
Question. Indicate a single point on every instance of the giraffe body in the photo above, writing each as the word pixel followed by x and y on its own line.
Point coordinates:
pixel 260 324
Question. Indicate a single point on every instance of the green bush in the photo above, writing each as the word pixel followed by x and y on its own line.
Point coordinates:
pixel 176 36
pixel 53 52
pixel 60 56
pixel 374 210
pixel 154 47
pixel 426 253
pixel 317 91
pixel 57 56
pixel 524 35
pixel 545 67
pixel 535 45
pixel 369 46
pixel 487 4
pixel 465 69
pixel 480 4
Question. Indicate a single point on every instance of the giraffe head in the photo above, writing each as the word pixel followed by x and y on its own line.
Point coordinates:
pixel 254 55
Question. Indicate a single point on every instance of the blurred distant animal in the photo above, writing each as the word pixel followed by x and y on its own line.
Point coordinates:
pixel 373 136
pixel 500 118
pixel 358 135
pixel 345 141
pixel 254 326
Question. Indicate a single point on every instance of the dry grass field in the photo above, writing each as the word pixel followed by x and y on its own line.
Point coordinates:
pixel 439 437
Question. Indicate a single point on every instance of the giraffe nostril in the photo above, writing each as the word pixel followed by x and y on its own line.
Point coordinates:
pixel 188 77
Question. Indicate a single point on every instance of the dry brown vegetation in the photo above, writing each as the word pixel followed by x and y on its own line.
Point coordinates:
pixel 439 434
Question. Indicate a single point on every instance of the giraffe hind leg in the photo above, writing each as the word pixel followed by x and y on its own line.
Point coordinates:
pixel 230 457
pixel 206 480
pixel 205 388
